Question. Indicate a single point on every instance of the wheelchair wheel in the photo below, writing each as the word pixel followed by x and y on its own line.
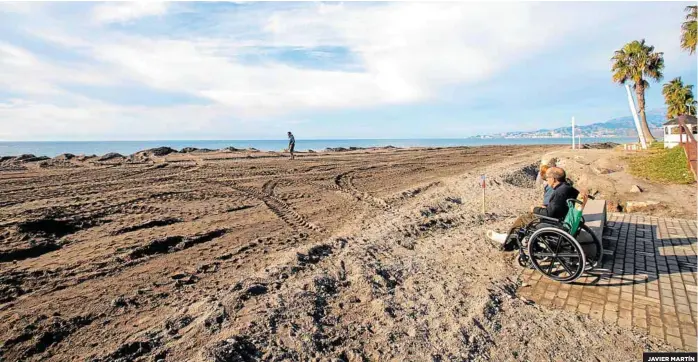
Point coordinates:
pixel 523 260
pixel 556 254
pixel 591 245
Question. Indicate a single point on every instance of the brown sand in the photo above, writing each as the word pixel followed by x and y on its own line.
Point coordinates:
pixel 236 256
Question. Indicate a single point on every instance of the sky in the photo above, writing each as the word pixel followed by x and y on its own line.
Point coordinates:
pixel 243 70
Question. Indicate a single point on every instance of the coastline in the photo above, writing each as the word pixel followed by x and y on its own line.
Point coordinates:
pixel 52 149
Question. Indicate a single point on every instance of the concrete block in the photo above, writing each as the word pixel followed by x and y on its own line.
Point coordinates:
pixel 595 216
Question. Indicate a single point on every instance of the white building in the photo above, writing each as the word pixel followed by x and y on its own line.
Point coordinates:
pixel 672 131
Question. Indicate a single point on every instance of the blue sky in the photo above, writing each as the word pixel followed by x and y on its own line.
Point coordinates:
pixel 129 71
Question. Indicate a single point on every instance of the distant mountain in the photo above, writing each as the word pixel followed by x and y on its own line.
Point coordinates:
pixel 616 127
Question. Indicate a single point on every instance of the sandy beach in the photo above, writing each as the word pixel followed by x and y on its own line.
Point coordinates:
pixel 363 255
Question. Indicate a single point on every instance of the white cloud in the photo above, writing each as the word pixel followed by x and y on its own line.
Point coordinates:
pixel 118 12
pixel 425 47
pixel 407 53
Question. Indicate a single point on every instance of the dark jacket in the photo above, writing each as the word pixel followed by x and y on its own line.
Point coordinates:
pixel 557 207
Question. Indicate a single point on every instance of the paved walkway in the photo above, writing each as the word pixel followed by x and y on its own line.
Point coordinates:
pixel 650 282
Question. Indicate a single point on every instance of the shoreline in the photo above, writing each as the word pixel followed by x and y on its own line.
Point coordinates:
pixel 165 150
pixel 52 149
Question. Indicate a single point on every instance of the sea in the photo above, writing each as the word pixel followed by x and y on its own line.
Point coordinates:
pixel 52 149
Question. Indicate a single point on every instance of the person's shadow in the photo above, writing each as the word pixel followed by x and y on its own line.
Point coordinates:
pixel 641 254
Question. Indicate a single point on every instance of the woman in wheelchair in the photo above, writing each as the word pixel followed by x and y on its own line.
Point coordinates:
pixel 553 239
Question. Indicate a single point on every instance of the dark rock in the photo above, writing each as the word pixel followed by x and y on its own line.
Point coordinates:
pixel 188 149
pixel 231 149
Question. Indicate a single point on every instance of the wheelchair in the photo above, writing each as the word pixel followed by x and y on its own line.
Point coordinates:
pixel 561 250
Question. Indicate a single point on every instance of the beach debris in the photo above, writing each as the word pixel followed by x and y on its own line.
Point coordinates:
pixel 636 189
pixel 84 157
pixel 64 157
pixel 131 350
pixel 237 348
pixel 31 158
pixel 524 177
pixel 343 149
pixel 110 156
pixel 600 145
pixel 455 200
pixel 158 151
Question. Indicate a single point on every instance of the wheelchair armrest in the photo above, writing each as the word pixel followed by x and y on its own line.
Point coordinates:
pixel 547 218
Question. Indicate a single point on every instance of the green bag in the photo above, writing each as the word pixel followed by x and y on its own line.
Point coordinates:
pixel 573 218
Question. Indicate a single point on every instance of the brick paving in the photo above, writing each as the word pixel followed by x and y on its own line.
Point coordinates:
pixel 649 282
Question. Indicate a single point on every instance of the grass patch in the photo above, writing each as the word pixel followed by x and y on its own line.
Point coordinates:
pixel 659 164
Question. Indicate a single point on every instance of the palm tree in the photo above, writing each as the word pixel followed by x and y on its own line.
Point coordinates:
pixel 688 29
pixel 634 63
pixel 678 98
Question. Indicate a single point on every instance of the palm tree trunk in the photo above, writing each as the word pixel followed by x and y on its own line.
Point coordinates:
pixel 643 118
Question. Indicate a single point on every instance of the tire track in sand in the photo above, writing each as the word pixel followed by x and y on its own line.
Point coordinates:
pixel 281 209
pixel 344 182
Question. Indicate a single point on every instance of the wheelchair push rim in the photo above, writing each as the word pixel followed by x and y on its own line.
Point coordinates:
pixel 556 254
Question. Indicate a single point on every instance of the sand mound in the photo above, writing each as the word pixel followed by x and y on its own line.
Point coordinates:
pixel 64 157
pixel 157 152
pixel 231 149
pixel 523 177
pixel 30 158
pixel 110 156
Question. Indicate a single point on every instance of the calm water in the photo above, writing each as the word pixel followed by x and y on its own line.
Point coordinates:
pixel 52 149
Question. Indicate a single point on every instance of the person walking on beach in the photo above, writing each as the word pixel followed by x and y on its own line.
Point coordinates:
pixel 291 144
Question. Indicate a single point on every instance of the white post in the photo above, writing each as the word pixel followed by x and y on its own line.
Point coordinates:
pixel 483 193
pixel 640 134
pixel 572 132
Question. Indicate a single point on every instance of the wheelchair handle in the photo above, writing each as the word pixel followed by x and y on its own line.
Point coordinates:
pixel 580 202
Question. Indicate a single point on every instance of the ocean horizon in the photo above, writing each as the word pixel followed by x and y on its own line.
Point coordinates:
pixel 54 148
